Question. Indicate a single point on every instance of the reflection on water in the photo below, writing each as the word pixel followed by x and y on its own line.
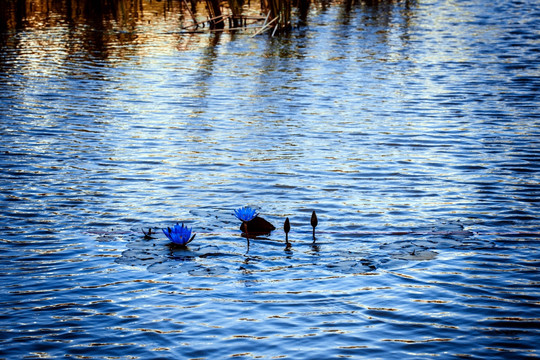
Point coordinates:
pixel 97 29
pixel 410 127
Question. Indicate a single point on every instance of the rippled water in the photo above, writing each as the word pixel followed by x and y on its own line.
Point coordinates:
pixel 411 128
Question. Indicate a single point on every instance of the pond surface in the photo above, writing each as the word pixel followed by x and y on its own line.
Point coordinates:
pixel 411 128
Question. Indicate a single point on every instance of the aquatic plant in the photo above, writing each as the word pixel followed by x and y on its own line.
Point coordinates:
pixel 179 234
pixel 314 222
pixel 236 19
pixel 216 18
pixel 245 213
pixel 148 235
pixel 252 223
pixel 287 228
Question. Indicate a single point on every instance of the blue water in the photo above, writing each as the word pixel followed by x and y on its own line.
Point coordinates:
pixel 411 128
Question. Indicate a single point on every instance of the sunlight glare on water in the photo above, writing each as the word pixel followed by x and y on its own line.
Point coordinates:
pixel 411 128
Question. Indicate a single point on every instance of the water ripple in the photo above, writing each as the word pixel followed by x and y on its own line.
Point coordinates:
pixel 410 127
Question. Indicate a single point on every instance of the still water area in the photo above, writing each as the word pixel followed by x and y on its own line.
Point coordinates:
pixel 412 128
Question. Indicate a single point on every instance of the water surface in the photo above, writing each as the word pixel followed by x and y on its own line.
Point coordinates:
pixel 411 128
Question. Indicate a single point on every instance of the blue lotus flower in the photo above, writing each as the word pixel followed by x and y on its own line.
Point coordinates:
pixel 179 235
pixel 245 213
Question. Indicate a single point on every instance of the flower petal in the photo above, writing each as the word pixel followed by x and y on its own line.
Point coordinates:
pixel 245 213
pixel 179 234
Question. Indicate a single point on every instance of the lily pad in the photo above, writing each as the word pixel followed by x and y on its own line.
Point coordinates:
pixel 172 267
pixel 418 255
pixel 352 266
pixel 208 271
pixel 137 258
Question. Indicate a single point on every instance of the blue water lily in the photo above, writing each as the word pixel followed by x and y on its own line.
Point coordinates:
pixel 245 213
pixel 179 234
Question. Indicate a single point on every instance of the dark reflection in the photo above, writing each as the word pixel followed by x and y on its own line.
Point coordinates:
pixel 205 71
pixel 22 14
pixel 13 15
pixel 126 15
pixel 303 10
pixel 100 29
pixel 97 28
pixel 384 25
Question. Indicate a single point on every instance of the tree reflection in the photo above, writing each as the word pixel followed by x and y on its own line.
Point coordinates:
pixel 127 14
pixel 99 28
pixel 91 27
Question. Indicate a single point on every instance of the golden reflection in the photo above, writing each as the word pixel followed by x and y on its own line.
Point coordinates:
pixel 94 29
pixel 103 23
pixel 20 14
